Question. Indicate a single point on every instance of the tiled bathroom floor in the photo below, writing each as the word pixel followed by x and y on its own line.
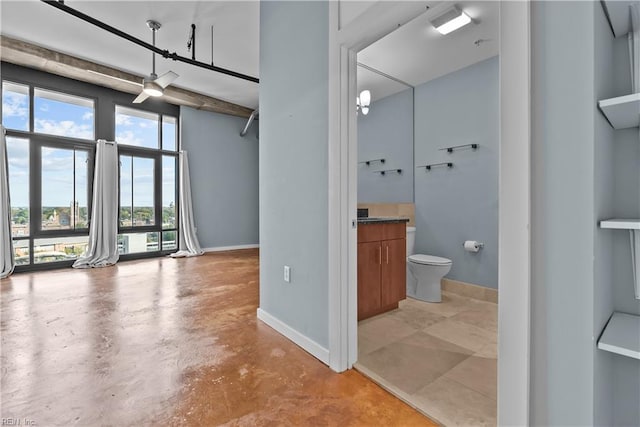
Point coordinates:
pixel 440 358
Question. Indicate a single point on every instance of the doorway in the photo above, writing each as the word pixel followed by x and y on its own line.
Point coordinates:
pixel 513 330
pixel 428 153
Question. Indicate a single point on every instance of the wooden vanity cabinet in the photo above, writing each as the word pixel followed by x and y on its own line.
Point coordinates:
pixel 381 267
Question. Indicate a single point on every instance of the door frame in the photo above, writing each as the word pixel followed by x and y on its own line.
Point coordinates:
pixel 374 23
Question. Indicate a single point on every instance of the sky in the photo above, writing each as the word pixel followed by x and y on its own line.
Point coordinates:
pixel 77 121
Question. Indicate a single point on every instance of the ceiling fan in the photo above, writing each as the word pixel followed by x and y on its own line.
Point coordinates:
pixel 154 85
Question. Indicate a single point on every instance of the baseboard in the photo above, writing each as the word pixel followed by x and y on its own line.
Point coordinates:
pixel 230 248
pixel 470 290
pixel 306 343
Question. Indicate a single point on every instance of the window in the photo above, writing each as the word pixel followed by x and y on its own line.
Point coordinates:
pixel 137 128
pixel 63 115
pixel 147 145
pixel 52 124
pixel 19 166
pixel 15 106
pixel 49 172
pixel 169 133
pixel 137 190
pixel 65 189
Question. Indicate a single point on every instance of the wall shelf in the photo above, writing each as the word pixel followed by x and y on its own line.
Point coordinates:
pixel 622 335
pixel 621 224
pixel 617 12
pixel 633 225
pixel 622 112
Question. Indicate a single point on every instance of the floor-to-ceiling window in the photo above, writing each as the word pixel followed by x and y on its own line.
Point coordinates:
pixel 52 124
pixel 148 165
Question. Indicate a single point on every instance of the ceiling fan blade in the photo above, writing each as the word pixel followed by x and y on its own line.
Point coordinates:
pixel 141 98
pixel 166 79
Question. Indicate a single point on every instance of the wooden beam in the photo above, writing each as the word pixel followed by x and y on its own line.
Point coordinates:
pixel 29 55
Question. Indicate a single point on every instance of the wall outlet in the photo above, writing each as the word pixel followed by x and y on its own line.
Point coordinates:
pixel 287 274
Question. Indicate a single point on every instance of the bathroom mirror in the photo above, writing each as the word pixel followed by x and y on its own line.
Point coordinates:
pixel 385 138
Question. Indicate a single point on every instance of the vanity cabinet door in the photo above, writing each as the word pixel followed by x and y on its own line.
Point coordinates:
pixel 369 283
pixel 394 271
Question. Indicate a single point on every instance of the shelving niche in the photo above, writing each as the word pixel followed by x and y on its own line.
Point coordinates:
pixel 621 335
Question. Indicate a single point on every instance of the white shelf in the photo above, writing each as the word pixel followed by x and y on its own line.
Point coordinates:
pixel 622 335
pixel 622 112
pixel 618 14
pixel 621 224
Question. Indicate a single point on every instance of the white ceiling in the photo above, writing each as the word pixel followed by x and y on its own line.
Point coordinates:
pixel 236 38
pixel 416 53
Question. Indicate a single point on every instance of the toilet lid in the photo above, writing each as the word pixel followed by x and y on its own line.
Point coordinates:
pixel 429 260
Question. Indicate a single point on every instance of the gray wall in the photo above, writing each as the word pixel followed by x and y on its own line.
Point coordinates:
pixel 563 220
pixel 293 164
pixel 583 171
pixel 458 204
pixel 387 132
pixel 224 177
pixel 605 78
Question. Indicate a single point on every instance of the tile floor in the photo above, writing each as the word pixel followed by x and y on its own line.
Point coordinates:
pixel 439 358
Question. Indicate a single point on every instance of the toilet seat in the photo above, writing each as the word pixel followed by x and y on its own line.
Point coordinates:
pixel 429 260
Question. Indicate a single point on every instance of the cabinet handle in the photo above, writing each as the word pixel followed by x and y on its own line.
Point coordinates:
pixel 387 254
pixel 380 255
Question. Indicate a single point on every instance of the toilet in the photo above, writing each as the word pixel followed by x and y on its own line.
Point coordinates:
pixel 424 272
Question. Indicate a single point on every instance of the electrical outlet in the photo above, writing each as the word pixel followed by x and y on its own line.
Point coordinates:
pixel 287 274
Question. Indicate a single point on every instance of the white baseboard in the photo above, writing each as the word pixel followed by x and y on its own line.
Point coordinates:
pixel 230 248
pixel 306 343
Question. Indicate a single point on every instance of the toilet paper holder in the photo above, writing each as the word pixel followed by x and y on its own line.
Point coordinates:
pixel 478 245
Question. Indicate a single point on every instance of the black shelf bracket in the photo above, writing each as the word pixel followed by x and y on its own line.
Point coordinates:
pixel 459 147
pixel 384 172
pixel 433 165
pixel 368 162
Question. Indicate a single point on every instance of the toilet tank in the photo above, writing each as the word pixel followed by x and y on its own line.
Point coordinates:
pixel 411 240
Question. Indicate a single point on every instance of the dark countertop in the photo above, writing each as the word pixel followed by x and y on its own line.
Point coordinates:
pixel 381 220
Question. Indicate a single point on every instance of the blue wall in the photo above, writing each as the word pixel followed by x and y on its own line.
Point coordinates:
pixel 387 132
pixel 294 147
pixel 224 177
pixel 458 204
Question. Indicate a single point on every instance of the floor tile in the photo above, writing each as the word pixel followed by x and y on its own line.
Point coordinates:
pixel 453 404
pixel 379 331
pixel 414 361
pixel 489 351
pixel 477 373
pixel 462 334
pixel 416 316
pixel 486 318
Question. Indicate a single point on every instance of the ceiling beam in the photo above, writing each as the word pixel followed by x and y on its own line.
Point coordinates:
pixel 29 55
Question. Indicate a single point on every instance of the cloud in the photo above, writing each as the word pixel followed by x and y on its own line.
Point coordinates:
pixel 44 107
pixel 87 116
pixel 15 105
pixel 66 128
pixel 123 120
pixel 129 138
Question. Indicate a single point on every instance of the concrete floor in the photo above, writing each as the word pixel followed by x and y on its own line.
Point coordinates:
pixel 167 342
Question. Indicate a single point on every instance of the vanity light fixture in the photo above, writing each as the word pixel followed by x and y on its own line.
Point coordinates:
pixel 450 20
pixel 363 102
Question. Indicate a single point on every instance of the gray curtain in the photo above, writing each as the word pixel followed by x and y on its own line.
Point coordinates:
pixel 188 241
pixel 102 249
pixel 7 262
